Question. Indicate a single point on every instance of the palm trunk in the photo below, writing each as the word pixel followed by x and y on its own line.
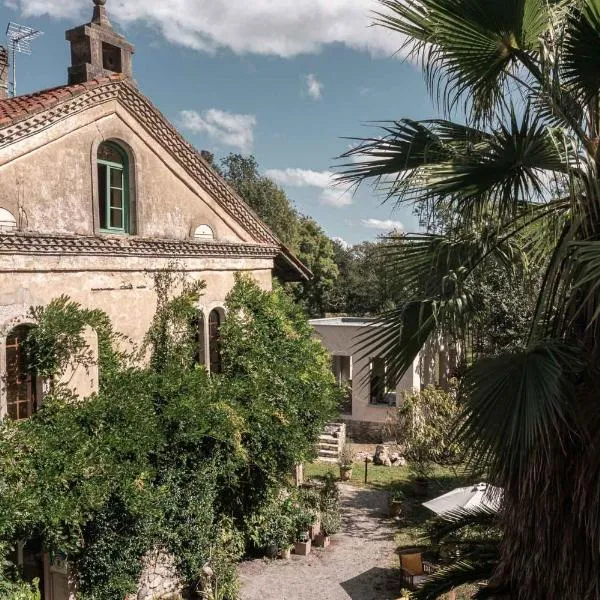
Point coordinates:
pixel 551 522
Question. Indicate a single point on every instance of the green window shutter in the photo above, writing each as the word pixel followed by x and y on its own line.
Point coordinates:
pixel 113 190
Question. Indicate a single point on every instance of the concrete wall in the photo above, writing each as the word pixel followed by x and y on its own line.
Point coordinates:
pixel 344 340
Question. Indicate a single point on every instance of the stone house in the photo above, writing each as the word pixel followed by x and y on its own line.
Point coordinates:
pixel 371 399
pixel 98 192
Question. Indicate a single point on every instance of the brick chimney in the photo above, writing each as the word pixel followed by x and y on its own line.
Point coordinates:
pixel 98 50
pixel 3 73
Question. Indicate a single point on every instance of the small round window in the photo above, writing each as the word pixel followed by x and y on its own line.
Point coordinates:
pixel 204 233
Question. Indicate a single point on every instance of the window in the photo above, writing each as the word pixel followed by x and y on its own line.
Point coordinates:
pixel 382 390
pixel 199 345
pixel 342 371
pixel 7 221
pixel 21 396
pixel 28 557
pixel 111 58
pixel 113 188
pixel 214 341
pixel 204 233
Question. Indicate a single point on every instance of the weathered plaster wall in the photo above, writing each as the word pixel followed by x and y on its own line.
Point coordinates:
pixel 48 181
pixel 124 290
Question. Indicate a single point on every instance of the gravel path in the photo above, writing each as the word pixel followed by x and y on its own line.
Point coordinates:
pixel 360 564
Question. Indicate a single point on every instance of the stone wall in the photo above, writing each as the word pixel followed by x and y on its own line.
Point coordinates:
pixel 159 579
pixel 365 432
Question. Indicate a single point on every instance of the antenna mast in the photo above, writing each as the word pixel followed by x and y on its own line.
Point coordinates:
pixel 19 40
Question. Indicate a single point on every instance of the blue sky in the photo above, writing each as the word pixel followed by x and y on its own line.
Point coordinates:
pixel 284 80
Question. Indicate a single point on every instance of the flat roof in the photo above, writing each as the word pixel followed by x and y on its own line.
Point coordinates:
pixel 343 321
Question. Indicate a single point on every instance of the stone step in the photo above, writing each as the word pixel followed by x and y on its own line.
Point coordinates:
pixel 330 453
pixel 335 426
pixel 327 459
pixel 329 448
pixel 332 439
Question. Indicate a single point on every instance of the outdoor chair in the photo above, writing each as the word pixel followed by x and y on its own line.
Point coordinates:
pixel 415 570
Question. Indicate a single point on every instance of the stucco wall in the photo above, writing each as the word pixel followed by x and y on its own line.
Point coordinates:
pixel 345 340
pixel 48 181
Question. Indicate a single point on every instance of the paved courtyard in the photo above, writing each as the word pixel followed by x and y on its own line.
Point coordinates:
pixel 360 564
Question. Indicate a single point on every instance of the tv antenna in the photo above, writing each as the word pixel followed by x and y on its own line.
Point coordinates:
pixel 19 41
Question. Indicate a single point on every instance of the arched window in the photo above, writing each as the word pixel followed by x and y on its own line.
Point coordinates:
pixel 199 342
pixel 214 341
pixel 113 188
pixel 21 392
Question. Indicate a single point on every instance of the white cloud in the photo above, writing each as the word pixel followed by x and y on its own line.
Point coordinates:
pixel 331 195
pixel 336 197
pixel 342 242
pixel 314 87
pixel 283 28
pixel 387 225
pixel 223 127
pixel 301 177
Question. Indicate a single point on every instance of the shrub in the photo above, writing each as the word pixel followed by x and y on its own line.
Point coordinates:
pixel 425 425
pixel 165 456
pixel 347 456
pixel 330 506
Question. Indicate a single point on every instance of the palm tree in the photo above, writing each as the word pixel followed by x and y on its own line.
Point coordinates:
pixel 520 180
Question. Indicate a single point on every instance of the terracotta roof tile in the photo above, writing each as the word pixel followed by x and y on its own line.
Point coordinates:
pixel 14 109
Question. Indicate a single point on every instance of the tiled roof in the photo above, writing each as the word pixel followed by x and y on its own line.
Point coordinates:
pixel 14 109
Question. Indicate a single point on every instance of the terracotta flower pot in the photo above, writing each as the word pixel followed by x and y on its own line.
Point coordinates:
pixel 322 540
pixel 345 473
pixel 314 530
pixel 395 508
pixel 286 554
pixel 302 548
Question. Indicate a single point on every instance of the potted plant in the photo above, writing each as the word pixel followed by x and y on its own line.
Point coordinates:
pixel 330 524
pixel 314 529
pixel 302 523
pixel 421 470
pixel 346 461
pixel 286 552
pixel 395 503
pixel 302 545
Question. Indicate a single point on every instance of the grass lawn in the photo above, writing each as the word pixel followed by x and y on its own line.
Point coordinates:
pixel 411 525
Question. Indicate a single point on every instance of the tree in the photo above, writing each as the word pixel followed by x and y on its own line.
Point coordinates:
pixel 164 455
pixel 316 251
pixel 365 286
pixel 301 234
pixel 520 179
pixel 263 195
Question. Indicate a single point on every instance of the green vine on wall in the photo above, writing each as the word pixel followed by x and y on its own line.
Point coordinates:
pixel 163 456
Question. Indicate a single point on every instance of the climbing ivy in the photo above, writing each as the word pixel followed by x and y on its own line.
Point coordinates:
pixel 163 456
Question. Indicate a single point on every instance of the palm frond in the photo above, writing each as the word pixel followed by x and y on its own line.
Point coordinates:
pixel 453 576
pixel 441 161
pixel 434 268
pixel 581 49
pixel 467 48
pixel 520 403
pixel 443 526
